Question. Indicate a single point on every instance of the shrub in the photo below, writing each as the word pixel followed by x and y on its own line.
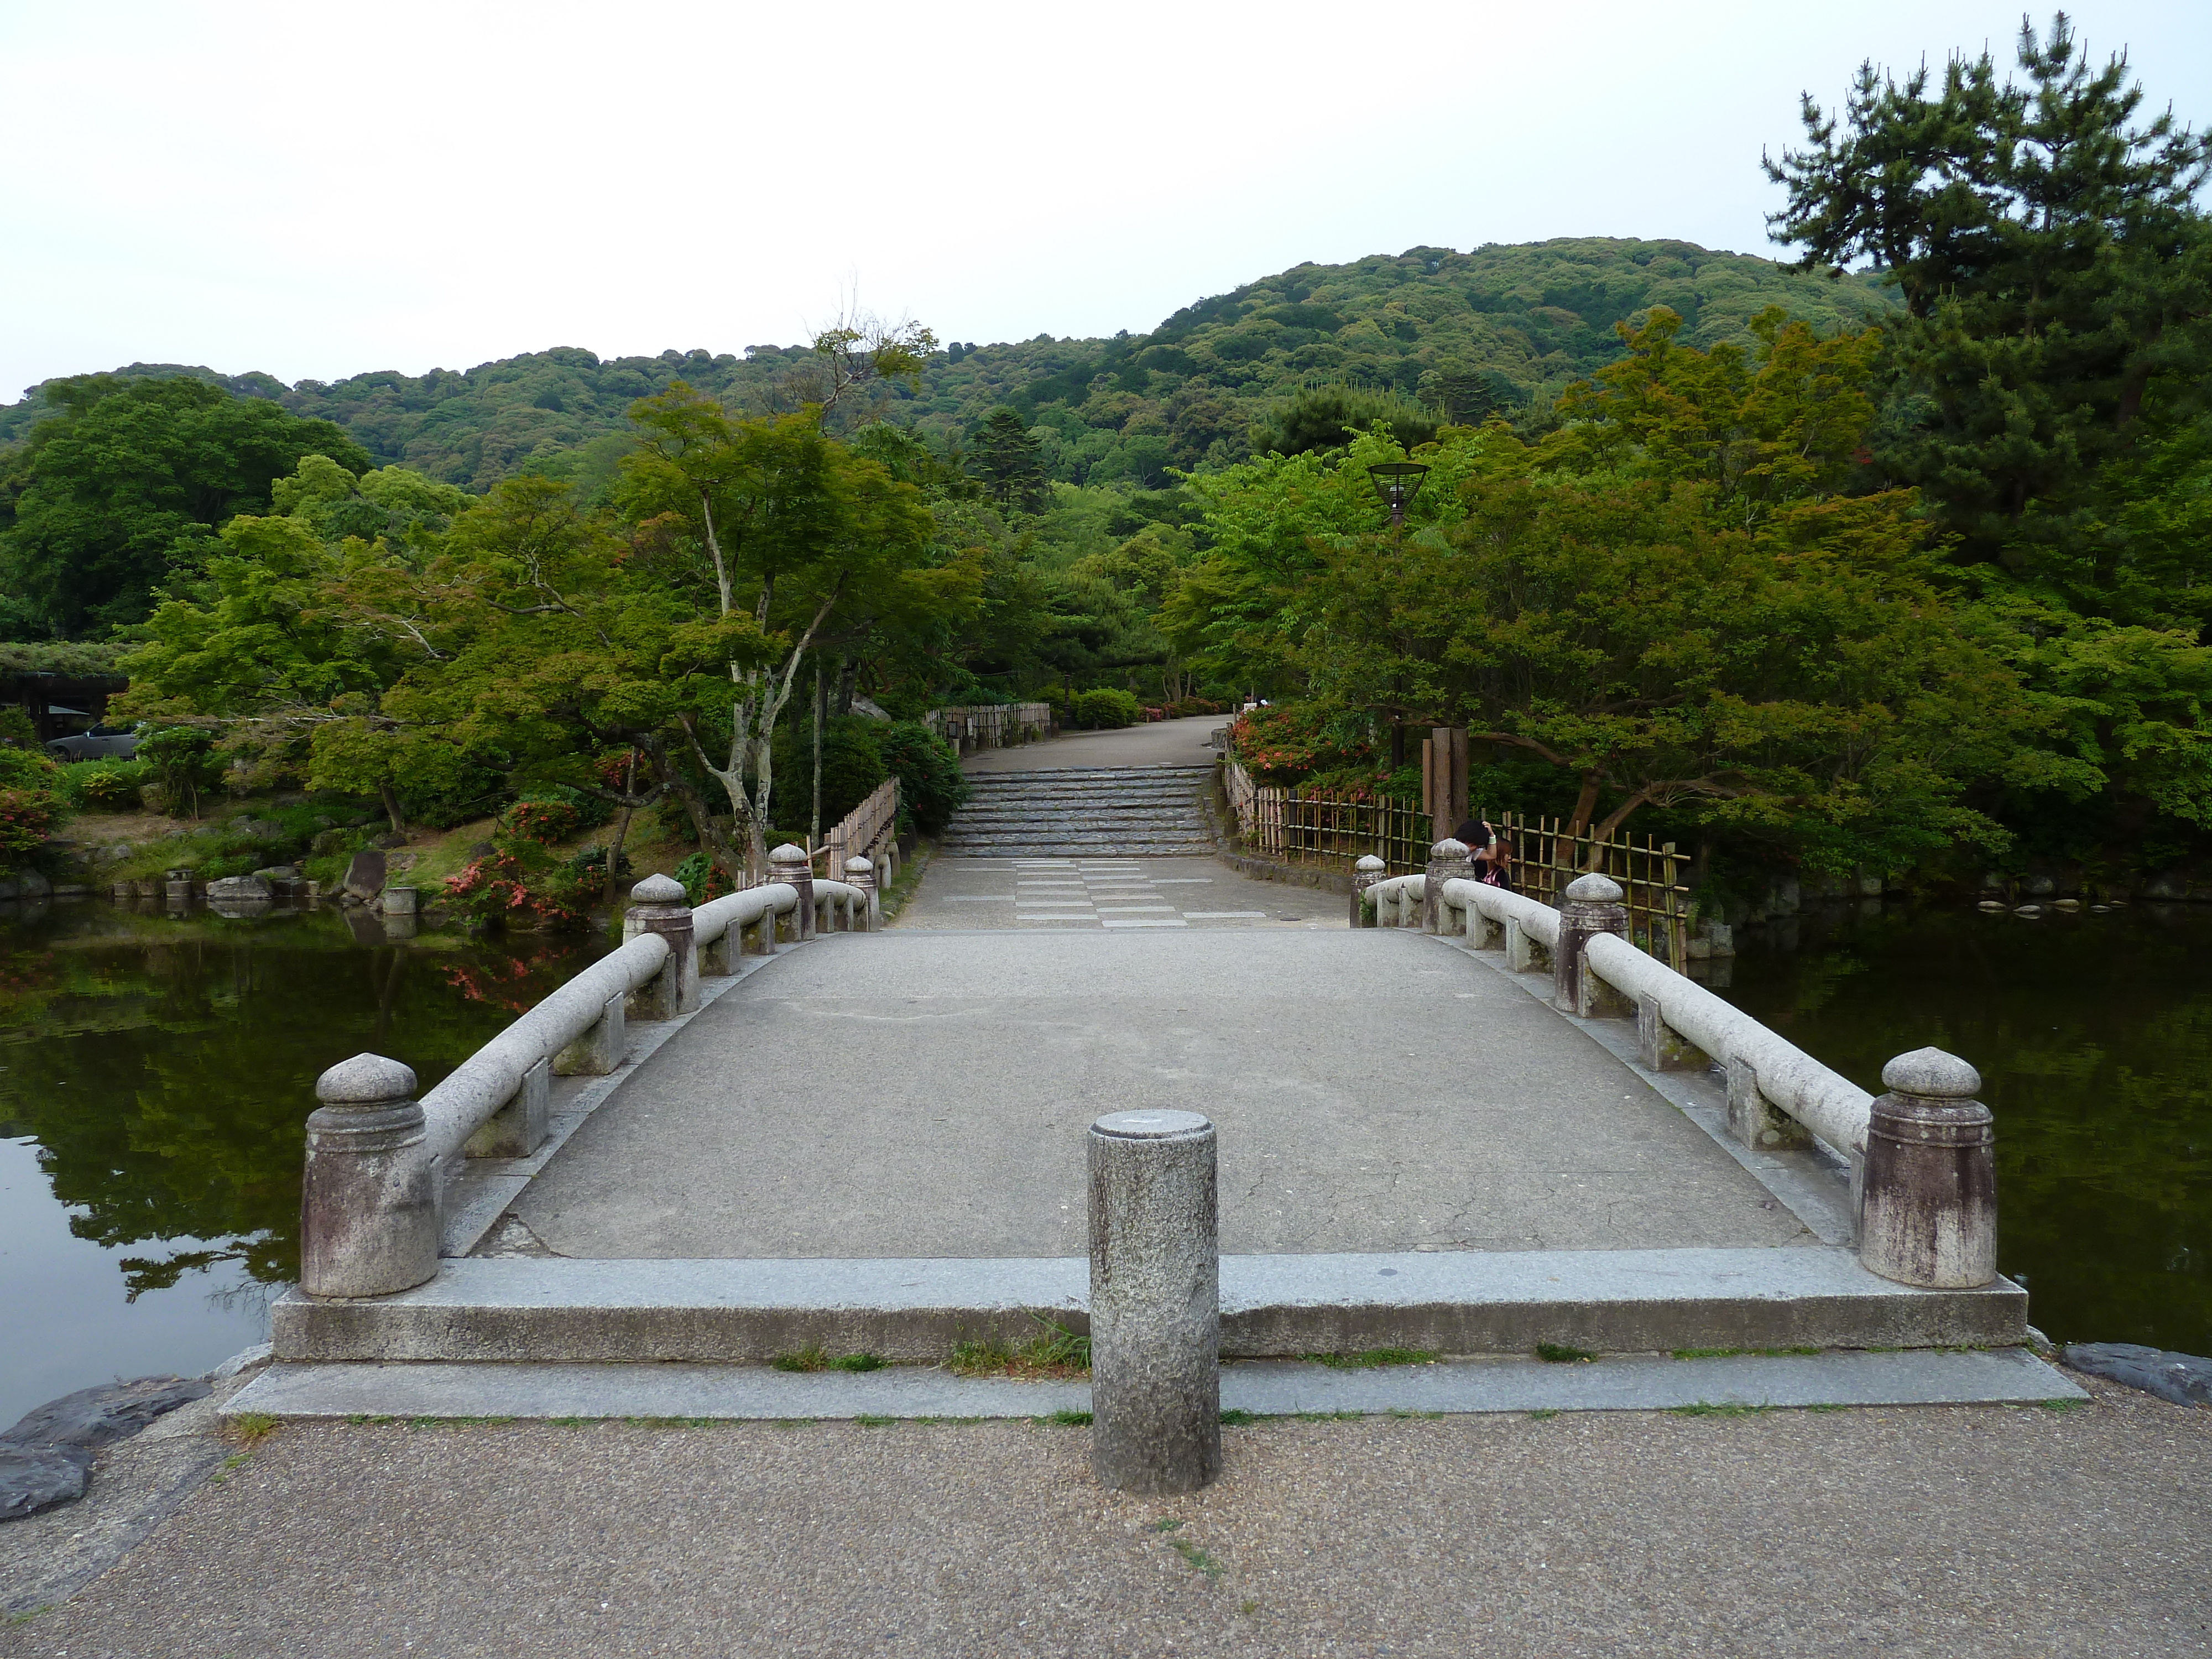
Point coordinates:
pixel 701 880
pixel 17 727
pixel 184 762
pixel 27 818
pixel 520 884
pixel 542 820
pixel 1107 710
pixel 852 767
pixel 105 785
pixel 932 785
pixel 27 770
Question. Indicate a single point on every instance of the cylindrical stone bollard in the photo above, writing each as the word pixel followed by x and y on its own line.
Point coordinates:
pixel 398 901
pixel 1450 859
pixel 1364 874
pixel 788 863
pixel 1591 906
pixel 1928 1204
pixel 659 905
pixel 368 1208
pixel 1155 1303
pixel 177 886
pixel 862 872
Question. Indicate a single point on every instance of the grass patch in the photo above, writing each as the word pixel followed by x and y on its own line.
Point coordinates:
pixel 1558 1353
pixel 812 1358
pixel 1707 1408
pixel 456 1422
pixel 1400 1412
pixel 2061 1405
pixel 1545 1415
pixel 249 1429
pixel 1066 1419
pixel 668 1422
pixel 1825 1405
pixel 1053 1352
pixel 1368 1359
pixel 1328 1417
pixel 1238 1420
pixel 1196 1558
pixel 870 1420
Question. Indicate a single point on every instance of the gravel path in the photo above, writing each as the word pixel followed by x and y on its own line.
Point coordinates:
pixel 1957 1530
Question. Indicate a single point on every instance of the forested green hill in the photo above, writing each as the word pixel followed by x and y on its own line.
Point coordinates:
pixel 1502 325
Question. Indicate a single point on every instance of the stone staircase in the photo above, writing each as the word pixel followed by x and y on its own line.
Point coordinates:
pixel 1131 812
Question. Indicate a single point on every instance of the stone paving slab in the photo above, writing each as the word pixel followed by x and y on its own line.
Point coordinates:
pixel 1044 891
pixel 1263 1388
pixel 915 1093
pixel 1156 743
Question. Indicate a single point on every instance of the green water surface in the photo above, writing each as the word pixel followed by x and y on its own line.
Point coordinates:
pixel 157 1073
pixel 2093 1038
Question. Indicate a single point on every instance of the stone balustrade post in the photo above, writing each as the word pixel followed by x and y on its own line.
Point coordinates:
pixel 1524 952
pixel 1155 1303
pixel 177 886
pixel 518 1128
pixel 1928 1201
pixel 1364 874
pixel 1591 906
pixel 1659 1045
pixel 659 905
pixel 1450 859
pixel 368 1202
pixel 789 864
pixel 600 1051
pixel 862 872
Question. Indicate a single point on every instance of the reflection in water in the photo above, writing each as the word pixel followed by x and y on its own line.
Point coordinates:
pixel 164 1066
pixel 2093 1038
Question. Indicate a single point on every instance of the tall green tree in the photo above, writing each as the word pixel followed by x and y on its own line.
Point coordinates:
pixel 769 529
pixel 122 489
pixel 1007 456
pixel 2055 268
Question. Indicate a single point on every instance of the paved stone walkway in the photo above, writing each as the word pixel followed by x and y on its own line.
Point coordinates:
pixel 1157 742
pixel 1105 895
pixel 1984 1532
pixel 925 1093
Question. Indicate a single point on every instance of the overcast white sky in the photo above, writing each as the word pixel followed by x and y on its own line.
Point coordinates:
pixel 316 190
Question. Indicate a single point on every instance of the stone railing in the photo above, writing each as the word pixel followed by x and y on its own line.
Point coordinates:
pixel 379 1161
pixel 991 726
pixel 1923 1175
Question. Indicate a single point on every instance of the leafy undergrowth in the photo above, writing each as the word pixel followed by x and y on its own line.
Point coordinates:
pixel 1054 1352
pixel 1368 1359
pixel 812 1358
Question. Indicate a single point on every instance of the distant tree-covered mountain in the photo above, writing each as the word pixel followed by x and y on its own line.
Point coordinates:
pixel 1461 334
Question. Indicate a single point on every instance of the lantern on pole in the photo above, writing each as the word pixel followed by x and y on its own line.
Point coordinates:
pixel 1397 483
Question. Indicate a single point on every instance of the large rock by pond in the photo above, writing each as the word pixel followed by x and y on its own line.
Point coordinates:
pixel 45 1458
pixel 2183 1378
pixel 240 889
pixel 364 876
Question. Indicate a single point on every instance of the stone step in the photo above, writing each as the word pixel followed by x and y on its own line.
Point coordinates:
pixel 1263 1388
pixel 567 1310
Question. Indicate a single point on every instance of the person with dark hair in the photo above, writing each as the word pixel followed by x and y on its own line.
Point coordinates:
pixel 1493 853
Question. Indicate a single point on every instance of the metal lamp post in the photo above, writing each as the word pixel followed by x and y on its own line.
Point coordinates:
pixel 1397 483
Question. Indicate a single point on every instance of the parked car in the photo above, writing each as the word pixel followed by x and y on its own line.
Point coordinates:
pixel 102 743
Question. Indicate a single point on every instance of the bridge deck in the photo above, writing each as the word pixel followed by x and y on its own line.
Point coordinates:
pixel 925 1093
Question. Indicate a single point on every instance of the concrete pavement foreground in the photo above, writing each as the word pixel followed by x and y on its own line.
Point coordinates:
pixel 1990 1532
pixel 925 1094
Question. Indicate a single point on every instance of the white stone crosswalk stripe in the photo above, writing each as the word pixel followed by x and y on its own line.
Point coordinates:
pixel 1132 923
pixel 1221 915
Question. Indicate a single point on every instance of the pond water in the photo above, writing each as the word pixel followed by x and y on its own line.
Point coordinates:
pixel 2093 1038
pixel 157 1073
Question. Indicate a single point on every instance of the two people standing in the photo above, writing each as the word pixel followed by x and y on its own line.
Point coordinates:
pixel 1493 853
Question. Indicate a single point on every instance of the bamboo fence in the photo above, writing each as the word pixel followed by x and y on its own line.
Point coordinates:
pixel 1299 828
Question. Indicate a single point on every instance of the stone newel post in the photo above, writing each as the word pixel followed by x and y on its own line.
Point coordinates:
pixel 861 873
pixel 1368 871
pixel 1450 859
pixel 659 905
pixel 1927 1205
pixel 1591 906
pixel 1155 1303
pixel 788 863
pixel 368 1207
